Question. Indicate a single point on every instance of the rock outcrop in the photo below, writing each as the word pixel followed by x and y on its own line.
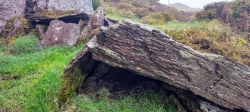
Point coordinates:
pixel 151 53
pixel 61 33
pixel 19 16
pixel 44 11
pixel 12 8
pixel 96 21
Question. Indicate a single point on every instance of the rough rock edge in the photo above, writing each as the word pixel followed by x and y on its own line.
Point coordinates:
pixel 223 81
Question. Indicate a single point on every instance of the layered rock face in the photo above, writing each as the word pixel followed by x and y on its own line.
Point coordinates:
pixel 61 33
pixel 12 8
pixel 149 52
pixel 43 11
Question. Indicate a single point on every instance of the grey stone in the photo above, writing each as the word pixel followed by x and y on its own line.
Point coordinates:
pixel 208 107
pixel 12 8
pixel 97 19
pixel 82 6
pixel 61 33
pixel 69 11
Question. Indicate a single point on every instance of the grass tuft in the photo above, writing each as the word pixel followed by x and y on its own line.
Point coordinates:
pixel 24 45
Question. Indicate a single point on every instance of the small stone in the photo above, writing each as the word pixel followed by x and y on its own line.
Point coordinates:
pixel 12 8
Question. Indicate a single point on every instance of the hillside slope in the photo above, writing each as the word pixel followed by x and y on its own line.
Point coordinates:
pixel 147 11
pixel 183 7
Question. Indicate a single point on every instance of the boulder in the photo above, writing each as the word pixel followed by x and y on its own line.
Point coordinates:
pixel 149 52
pixel 12 8
pixel 16 29
pixel 44 11
pixel 61 33
pixel 2 25
pixel 96 21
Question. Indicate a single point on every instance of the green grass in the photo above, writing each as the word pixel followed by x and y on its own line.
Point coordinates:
pixel 37 77
pixel 25 45
pixel 147 101
pixel 212 25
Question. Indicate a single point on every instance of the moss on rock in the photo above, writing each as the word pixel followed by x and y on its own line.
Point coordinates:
pixel 70 83
pixel 74 75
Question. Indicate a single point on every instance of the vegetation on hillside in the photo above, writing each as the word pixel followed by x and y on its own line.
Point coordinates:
pixel 145 11
pixel 236 14
pixel 214 37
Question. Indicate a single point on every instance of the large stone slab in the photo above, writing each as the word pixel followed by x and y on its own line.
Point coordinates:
pixel 60 33
pixel 151 53
pixel 43 11
pixel 82 6
pixel 12 8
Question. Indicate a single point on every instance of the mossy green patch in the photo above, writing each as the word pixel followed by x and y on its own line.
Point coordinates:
pixel 70 82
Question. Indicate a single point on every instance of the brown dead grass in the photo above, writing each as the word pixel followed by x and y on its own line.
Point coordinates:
pixel 227 44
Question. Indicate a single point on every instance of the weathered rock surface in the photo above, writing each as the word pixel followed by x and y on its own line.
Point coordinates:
pixel 16 30
pixel 12 8
pixel 44 11
pixel 96 21
pixel 61 33
pixel 149 52
pixel 81 6
pixel 98 18
pixel 109 22
pixel 2 25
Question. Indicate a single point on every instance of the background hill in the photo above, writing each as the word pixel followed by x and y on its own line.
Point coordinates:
pixel 183 7
pixel 146 11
